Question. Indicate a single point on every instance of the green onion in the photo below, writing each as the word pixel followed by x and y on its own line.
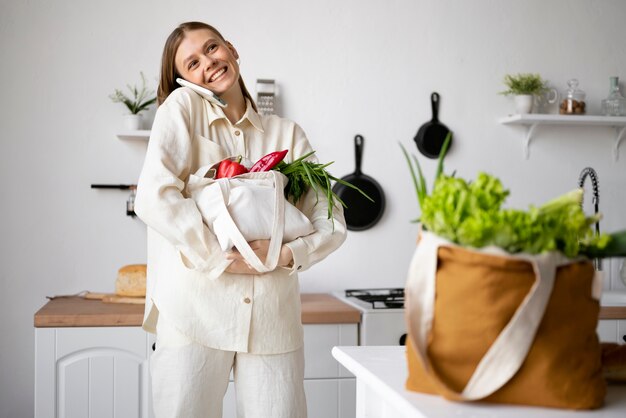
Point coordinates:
pixel 302 175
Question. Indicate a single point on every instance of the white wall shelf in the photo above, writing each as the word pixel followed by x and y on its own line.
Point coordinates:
pixel 134 135
pixel 532 121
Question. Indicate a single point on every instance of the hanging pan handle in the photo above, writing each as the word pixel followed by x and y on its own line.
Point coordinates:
pixel 358 153
pixel 434 101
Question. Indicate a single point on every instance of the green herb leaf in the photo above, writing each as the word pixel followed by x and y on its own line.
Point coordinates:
pixel 302 175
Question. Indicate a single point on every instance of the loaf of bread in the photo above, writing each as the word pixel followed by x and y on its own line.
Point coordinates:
pixel 614 362
pixel 131 281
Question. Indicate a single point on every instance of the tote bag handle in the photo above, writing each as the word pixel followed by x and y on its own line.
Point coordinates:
pixel 508 352
pixel 278 227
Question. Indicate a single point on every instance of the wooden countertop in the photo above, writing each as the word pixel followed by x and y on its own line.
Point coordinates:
pixel 317 308
pixel 613 312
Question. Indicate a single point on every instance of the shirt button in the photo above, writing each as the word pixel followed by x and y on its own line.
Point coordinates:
pixel 247 300
pixel 237 133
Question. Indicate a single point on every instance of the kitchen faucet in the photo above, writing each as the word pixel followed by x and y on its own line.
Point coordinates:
pixel 591 173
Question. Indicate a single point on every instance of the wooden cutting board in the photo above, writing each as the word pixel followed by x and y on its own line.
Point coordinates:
pixel 113 298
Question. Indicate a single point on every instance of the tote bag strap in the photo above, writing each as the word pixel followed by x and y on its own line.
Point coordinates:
pixel 508 352
pixel 278 226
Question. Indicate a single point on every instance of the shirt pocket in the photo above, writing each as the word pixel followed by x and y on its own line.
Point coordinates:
pixel 206 152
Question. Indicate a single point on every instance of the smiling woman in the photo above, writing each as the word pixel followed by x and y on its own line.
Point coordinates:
pixel 211 311
pixel 187 47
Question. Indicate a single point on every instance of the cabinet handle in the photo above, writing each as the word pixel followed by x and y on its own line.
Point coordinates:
pixel 402 339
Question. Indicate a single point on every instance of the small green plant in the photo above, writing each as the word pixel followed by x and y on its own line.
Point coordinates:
pixel 524 83
pixel 140 99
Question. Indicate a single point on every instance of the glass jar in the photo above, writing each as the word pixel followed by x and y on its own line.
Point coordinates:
pixel 615 103
pixel 574 101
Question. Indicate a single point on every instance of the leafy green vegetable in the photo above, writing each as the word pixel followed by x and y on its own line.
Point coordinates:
pixel 471 214
pixel 302 174
pixel 420 186
pixel 616 247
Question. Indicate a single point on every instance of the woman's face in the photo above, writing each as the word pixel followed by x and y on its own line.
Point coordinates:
pixel 204 59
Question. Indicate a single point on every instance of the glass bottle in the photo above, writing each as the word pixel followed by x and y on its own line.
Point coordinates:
pixel 615 103
pixel 574 102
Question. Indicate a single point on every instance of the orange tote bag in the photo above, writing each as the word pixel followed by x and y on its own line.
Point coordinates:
pixel 490 326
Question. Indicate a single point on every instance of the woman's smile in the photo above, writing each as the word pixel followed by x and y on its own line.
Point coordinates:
pixel 217 75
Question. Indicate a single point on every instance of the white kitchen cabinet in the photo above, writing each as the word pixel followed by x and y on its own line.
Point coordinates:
pixel 612 330
pixel 94 372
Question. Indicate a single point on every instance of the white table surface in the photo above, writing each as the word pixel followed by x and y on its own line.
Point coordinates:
pixel 382 371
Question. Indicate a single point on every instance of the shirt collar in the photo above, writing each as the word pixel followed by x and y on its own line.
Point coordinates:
pixel 253 116
pixel 215 112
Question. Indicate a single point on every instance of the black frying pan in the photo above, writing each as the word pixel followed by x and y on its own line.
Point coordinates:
pixel 360 213
pixel 431 135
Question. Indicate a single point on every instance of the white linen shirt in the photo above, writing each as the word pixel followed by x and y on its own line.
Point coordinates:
pixel 186 280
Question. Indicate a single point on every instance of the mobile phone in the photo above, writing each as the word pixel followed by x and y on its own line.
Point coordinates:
pixel 204 92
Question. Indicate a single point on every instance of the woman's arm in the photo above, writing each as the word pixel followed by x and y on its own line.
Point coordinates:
pixel 160 202
pixel 329 233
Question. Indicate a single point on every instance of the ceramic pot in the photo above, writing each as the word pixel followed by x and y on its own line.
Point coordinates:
pixel 524 103
pixel 133 122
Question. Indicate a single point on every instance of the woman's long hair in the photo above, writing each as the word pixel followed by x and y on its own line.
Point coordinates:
pixel 167 82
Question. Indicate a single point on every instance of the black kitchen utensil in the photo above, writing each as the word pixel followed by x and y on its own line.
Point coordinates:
pixel 360 213
pixel 431 135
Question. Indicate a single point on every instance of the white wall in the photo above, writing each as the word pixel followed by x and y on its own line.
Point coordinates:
pixel 343 67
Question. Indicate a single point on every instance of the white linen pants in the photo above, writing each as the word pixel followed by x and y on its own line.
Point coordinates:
pixel 189 380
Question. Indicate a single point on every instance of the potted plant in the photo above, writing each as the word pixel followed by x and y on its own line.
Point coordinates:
pixel 140 99
pixel 524 87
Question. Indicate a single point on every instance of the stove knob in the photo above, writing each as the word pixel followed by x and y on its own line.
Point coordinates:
pixel 403 339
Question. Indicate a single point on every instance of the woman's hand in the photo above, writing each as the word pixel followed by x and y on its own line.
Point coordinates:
pixel 260 248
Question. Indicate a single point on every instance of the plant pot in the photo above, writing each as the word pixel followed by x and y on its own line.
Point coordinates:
pixel 133 122
pixel 524 103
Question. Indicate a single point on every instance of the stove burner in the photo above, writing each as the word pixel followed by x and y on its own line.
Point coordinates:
pixel 379 298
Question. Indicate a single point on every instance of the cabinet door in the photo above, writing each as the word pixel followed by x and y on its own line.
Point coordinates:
pixel 347 398
pixel 621 331
pixel 330 398
pixel 607 330
pixel 93 373
pixel 319 340
pixel 612 330
pixel 322 398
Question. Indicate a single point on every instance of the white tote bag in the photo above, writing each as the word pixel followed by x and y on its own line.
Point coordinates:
pixel 249 207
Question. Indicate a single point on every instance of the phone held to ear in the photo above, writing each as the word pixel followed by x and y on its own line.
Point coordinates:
pixel 206 93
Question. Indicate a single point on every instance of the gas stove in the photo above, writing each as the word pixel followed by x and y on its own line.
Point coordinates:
pixel 382 314
pixel 379 298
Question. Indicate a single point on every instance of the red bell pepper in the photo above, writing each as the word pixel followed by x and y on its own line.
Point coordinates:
pixel 229 168
pixel 269 161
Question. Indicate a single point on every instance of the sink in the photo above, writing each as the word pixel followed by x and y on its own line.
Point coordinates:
pixel 613 298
